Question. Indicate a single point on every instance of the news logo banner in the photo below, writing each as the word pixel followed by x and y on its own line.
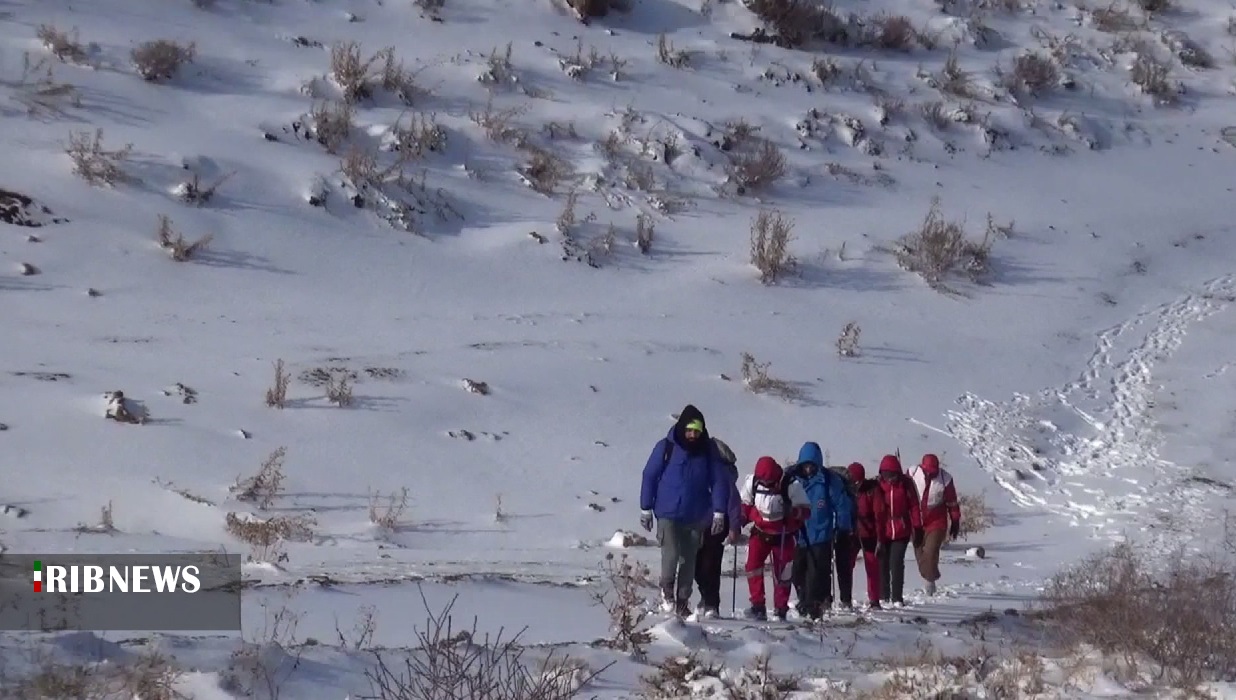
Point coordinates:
pixel 195 592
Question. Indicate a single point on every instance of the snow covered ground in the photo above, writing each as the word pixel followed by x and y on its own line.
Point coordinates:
pixel 1084 388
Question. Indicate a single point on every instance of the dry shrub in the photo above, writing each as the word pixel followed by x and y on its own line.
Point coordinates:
pixel 771 233
pixel 795 22
pixel 339 391
pixel 1153 77
pixel 463 663
pixel 420 136
pixel 264 487
pixel 193 192
pixel 149 677
pixel 893 33
pixel 756 379
pixel 952 80
pixel 331 123
pixel 623 600
pixel 161 59
pixel 95 164
pixel 42 93
pixel 1181 619
pixel 939 248
pixel 976 515
pixel 1034 73
pixel 497 124
pixel 265 537
pixel 586 9
pixel 356 76
pixel 277 395
pixel 682 677
pixel 644 233
pixel 1115 19
pixel 847 342
pixel 62 46
pixel 756 166
pixel 676 676
pixel 544 170
pixel 390 516
pixel 174 242
pixel 667 54
pixel 105 526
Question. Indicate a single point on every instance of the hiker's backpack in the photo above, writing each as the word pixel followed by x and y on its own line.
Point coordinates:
pixel 770 508
pixel 850 488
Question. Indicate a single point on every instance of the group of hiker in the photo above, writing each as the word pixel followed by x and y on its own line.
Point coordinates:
pixel 807 517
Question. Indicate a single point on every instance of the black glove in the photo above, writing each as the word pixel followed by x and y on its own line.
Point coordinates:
pixel 954 530
pixel 918 538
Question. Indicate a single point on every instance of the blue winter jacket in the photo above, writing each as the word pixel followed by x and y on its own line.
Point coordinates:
pixel 832 509
pixel 687 488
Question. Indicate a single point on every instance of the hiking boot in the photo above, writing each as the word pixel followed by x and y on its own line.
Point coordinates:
pixel 708 613
pixel 683 609
pixel 756 612
pixel 875 605
pixel 781 614
pixel 931 588
pixel 802 609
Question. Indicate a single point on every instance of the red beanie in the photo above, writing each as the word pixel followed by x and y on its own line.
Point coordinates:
pixel 857 472
pixel 930 464
pixel 890 463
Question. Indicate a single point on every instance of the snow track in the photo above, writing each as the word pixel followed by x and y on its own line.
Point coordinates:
pixel 1089 450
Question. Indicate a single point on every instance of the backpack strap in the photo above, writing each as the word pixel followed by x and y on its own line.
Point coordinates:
pixel 667 451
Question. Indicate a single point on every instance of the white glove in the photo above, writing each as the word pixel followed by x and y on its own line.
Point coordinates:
pixel 645 520
pixel 718 523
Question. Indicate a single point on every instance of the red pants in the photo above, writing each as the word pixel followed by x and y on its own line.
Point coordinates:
pixel 872 565
pixel 782 551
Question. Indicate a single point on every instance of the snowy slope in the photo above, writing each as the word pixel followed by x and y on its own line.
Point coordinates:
pixel 1085 390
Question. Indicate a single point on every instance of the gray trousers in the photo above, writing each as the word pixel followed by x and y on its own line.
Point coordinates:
pixel 680 544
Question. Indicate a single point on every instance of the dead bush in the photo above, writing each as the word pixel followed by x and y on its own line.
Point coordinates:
pixel 1180 618
pixel 952 80
pixel 756 166
pixel 1154 7
pixel 756 379
pixel 331 124
pixel 771 233
pixel 420 136
pixel 105 526
pixel 939 248
pixel 587 9
pixel 339 391
pixel 356 75
pixel 795 22
pixel 667 54
pixel 161 59
pixel 847 342
pixel 893 33
pixel 451 663
pixel 264 487
pixel 644 232
pixel 266 537
pixel 62 46
pixel 623 600
pixel 976 515
pixel 1034 73
pixel 193 192
pixel 277 395
pixel 1153 77
pixel 42 93
pixel 498 124
pixel 174 242
pixel 95 164
pixel 1115 19
pixel 149 676
pixel 389 516
pixel 544 170
pixel 676 677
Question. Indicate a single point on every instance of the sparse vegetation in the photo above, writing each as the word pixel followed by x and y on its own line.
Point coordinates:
pixel 771 233
pixel 464 663
pixel 105 526
pixel 976 515
pixel 266 536
pixel 358 77
pixel 847 342
pixel 1153 76
pixel 688 676
pixel 793 23
pixel 390 516
pixel 61 45
pixel 623 600
pixel 175 244
pixel 670 56
pixel 277 395
pixel 161 59
pixel 264 487
pixel 644 233
pixel 756 379
pixel 339 391
pixel 331 123
pixel 192 192
pixel 150 676
pixel 94 163
pixel 1033 73
pixel 756 166
pixel 939 248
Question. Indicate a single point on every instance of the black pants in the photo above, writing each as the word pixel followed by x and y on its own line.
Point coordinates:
pixel 708 565
pixel 843 555
pixel 813 576
pixel 893 570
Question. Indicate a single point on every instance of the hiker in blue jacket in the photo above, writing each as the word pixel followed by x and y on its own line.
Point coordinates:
pixel 828 533
pixel 686 486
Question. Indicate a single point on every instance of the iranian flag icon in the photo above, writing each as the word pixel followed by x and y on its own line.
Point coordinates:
pixel 38 576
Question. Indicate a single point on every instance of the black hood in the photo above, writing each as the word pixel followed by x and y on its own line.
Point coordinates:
pixel 691 413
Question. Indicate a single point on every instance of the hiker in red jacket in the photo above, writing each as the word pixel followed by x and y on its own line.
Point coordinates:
pixel 939 506
pixel 899 527
pixel 776 507
pixel 870 513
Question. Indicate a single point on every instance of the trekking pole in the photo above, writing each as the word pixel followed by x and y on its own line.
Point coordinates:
pixel 734 587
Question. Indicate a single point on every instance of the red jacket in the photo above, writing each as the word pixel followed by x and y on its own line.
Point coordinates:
pixel 938 495
pixel 762 505
pixel 870 503
pixel 901 513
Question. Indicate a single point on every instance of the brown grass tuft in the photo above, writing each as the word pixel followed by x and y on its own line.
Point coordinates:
pixel 771 233
pixel 161 59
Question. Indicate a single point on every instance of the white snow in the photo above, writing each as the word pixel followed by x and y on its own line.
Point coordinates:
pixel 516 391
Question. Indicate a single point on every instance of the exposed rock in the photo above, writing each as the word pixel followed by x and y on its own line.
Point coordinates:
pixel 19 210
